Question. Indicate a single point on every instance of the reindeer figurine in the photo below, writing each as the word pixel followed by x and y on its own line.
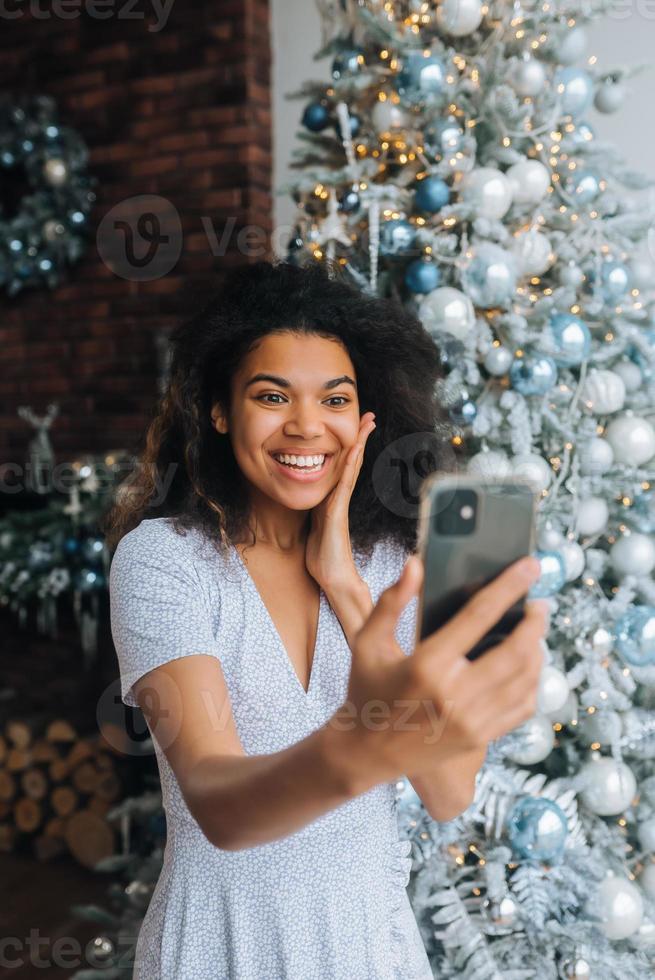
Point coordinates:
pixel 41 455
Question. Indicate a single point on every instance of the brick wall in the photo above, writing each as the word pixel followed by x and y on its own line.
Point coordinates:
pixel 182 112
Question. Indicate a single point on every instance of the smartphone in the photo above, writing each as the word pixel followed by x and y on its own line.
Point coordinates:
pixel 470 529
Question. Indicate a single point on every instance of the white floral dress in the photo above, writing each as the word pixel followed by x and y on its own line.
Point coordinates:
pixel 327 902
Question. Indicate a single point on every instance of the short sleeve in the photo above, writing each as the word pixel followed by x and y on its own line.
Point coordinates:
pixel 158 609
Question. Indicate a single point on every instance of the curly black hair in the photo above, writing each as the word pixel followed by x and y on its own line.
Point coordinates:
pixel 397 366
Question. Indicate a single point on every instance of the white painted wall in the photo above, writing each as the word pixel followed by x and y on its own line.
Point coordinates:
pixel 625 38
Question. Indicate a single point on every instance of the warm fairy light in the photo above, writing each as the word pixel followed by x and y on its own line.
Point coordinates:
pixel 645 485
pixel 626 501
pixel 591 710
pixel 384 54
pixel 456 440
pixel 595 745
pixel 609 337
pixel 557 727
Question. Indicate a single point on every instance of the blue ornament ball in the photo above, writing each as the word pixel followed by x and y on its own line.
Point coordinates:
pixel 422 276
pixel 315 117
pixel 584 187
pixel 552 577
pixel 615 277
pixel 533 374
pixel 583 133
pixel 422 73
pixel 572 338
pixel 575 87
pixel 347 63
pixel 432 194
pixel 354 125
pixel 641 515
pixel 92 549
pixel 537 829
pixel 349 201
pixel 396 236
pixel 646 367
pixel 71 546
pixel 464 412
pixel 635 636
pixel 443 137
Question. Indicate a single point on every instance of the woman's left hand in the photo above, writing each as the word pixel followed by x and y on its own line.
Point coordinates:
pixel 328 552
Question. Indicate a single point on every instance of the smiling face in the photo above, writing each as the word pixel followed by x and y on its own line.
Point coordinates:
pixel 294 394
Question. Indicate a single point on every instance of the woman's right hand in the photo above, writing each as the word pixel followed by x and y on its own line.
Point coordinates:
pixel 405 712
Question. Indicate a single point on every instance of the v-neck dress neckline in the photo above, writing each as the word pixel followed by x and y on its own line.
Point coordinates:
pixel 274 630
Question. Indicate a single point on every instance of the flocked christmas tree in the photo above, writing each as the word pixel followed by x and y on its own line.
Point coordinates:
pixel 448 162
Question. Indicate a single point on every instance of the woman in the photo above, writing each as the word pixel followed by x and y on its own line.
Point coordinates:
pixel 263 613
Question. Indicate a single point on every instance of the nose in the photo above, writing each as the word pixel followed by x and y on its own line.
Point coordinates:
pixel 304 422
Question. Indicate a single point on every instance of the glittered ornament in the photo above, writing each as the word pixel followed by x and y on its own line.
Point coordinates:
pixel 422 276
pixel 431 194
pixel 490 275
pixel 537 740
pixel 491 465
pixel 553 690
pixel 533 374
pixel 575 88
pixel 498 360
pixel 529 180
pixel 449 310
pixel 459 17
pixel 488 190
pixel 537 829
pixel 552 577
pixel 591 517
pixel 632 439
pixel 603 392
pixel 633 554
pixel 572 339
pixel 635 636
pixel 619 905
pixel 608 785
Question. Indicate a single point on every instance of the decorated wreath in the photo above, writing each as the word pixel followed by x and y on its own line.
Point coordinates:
pixel 45 194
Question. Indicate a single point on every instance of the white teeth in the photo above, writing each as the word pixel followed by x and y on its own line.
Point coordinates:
pixel 308 461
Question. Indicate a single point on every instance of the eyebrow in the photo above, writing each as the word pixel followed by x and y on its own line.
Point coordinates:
pixel 284 383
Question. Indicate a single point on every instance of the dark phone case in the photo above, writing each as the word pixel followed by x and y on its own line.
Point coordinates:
pixel 456 566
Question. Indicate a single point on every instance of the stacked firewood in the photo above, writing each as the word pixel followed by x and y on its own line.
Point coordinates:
pixel 57 788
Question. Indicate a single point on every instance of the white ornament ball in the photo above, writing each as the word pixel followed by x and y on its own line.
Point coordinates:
pixel 449 310
pixel 491 465
pixel 646 834
pixel 633 554
pixel 553 690
pixel 529 181
pixel 596 456
pixel 573 46
pixel 533 252
pixel 642 272
pixel 592 517
pixel 550 537
pixel 459 17
pixel 388 116
pixel 567 713
pixel 574 559
pixel 644 938
pixel 609 785
pixel 533 469
pixel 489 190
pixel 498 360
pixel 632 438
pixel 538 741
pixel 620 907
pixel 602 641
pixel 528 77
pixel 603 392
pixel 630 374
pixel 609 96
pixel 647 880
